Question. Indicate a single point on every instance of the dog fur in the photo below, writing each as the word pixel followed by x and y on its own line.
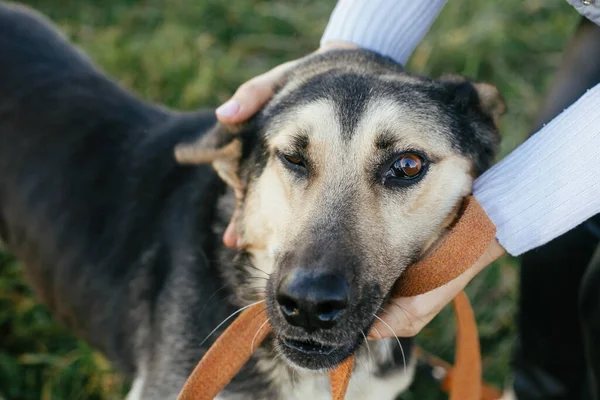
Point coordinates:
pixel 123 243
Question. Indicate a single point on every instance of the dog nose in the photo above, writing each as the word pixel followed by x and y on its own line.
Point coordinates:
pixel 312 300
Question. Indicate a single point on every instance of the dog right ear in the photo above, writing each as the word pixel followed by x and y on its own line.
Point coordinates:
pixel 482 95
pixel 221 147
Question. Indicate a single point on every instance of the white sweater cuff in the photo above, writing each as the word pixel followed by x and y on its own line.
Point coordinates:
pixel 549 184
pixel 392 28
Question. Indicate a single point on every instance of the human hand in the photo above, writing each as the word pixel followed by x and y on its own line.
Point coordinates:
pixel 406 316
pixel 253 94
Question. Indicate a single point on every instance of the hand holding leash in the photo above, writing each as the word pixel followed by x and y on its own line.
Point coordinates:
pixel 407 316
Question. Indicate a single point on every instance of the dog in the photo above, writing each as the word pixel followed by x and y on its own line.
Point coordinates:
pixel 116 208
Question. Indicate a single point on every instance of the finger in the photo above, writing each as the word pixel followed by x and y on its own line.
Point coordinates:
pixel 251 96
pixel 246 101
pixel 230 238
pixel 407 316
pixel 401 324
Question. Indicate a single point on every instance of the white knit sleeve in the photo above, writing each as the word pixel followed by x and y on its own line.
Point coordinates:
pixel 392 28
pixel 549 184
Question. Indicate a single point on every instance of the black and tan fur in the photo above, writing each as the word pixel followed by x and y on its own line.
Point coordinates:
pixel 123 243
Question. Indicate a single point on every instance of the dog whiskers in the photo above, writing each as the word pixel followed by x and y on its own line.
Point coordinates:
pixel 367 343
pixel 258 269
pixel 256 334
pixel 388 313
pixel 257 277
pixel 397 339
pixel 387 348
pixel 364 362
pixel 294 376
pixel 210 298
pixel 355 383
pixel 371 365
pixel 228 318
pixel 255 287
pixel 254 290
pixel 406 312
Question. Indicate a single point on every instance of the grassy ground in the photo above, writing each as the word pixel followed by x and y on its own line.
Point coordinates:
pixel 188 53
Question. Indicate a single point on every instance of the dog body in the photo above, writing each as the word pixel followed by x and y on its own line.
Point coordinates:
pixel 111 231
pixel 123 243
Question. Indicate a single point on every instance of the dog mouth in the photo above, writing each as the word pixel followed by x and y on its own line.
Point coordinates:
pixel 312 354
pixel 310 347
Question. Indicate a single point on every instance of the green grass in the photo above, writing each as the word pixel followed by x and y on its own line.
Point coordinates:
pixel 191 53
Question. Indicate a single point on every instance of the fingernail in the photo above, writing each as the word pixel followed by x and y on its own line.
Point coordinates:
pixel 229 109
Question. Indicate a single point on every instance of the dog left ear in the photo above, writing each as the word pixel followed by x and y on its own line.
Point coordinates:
pixel 482 95
pixel 221 147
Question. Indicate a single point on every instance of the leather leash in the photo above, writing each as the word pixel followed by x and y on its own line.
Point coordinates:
pixel 467 240
pixel 444 373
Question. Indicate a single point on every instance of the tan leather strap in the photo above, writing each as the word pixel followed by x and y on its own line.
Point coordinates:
pixel 467 241
pixel 466 383
pixel 339 378
pixel 227 355
pixel 488 392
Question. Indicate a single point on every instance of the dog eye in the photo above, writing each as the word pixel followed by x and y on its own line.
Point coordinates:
pixel 294 162
pixel 408 166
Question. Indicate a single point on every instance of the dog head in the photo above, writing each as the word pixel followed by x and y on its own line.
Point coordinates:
pixel 347 176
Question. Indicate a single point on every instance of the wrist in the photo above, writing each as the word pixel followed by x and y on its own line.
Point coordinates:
pixel 492 253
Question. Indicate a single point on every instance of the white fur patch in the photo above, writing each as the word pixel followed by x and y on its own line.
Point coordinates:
pixel 303 384
pixel 135 393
